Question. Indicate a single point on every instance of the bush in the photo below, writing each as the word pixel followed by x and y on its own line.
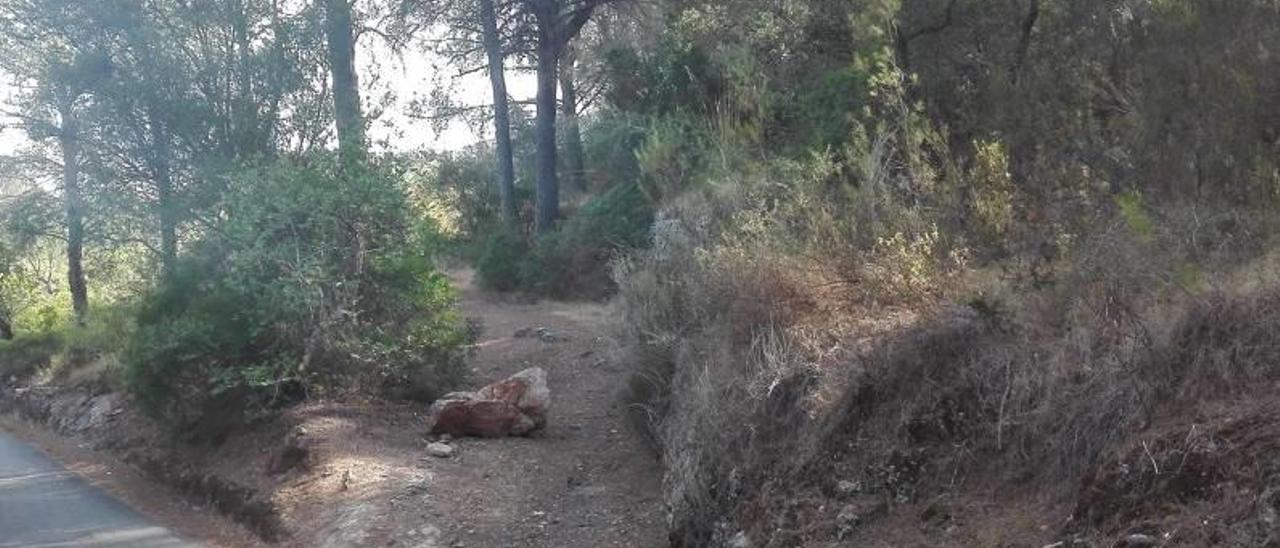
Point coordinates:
pixel 573 261
pixel 612 140
pixel 23 355
pixel 746 377
pixel 499 266
pixel 62 349
pixel 316 280
pixel 459 192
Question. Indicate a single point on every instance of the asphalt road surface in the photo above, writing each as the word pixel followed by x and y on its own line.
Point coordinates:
pixel 43 504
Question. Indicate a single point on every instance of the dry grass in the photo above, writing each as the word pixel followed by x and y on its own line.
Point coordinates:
pixel 762 380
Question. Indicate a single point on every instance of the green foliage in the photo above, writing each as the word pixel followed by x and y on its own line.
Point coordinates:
pixel 317 279
pixel 1135 215
pixel 673 75
pixel 824 115
pixel 671 158
pixel 991 190
pixel 611 140
pixel 189 330
pixel 499 266
pixel 574 260
pixel 63 348
pixel 25 219
pixel 462 186
pixel 23 355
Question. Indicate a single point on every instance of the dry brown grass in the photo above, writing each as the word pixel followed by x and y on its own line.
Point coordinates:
pixel 763 381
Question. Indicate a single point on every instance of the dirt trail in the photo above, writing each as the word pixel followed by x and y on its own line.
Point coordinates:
pixel 588 480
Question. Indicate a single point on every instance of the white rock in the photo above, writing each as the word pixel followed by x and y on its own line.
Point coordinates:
pixel 440 450
pixel 846 487
pixel 1138 539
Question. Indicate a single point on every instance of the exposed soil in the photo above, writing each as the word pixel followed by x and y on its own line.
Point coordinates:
pixel 1213 480
pixel 363 477
pixel 1204 473
pixel 587 480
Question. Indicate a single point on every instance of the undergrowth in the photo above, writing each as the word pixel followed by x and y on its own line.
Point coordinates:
pixel 574 260
pixel 883 316
pixel 760 375
pixel 317 282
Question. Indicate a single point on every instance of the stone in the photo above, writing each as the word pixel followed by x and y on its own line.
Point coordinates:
pixel 858 513
pixel 99 410
pixel 516 406
pixel 476 417
pixel 440 450
pixel 848 488
pixel 527 390
pixel 1138 539
pixel 295 452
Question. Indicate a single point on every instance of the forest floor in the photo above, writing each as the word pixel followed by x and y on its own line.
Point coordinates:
pixel 589 479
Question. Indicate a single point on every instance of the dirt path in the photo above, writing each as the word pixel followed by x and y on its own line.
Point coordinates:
pixel 588 480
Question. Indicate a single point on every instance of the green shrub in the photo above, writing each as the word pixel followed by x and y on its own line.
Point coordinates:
pixel 62 347
pixel 25 354
pixel 672 157
pixel 611 140
pixel 501 260
pixel 574 260
pixel 316 280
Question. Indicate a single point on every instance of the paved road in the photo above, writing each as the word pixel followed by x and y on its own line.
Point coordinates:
pixel 42 504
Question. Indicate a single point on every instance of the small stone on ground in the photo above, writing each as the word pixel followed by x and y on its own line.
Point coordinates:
pixel 440 450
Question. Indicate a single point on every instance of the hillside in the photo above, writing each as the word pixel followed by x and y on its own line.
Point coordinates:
pixel 740 273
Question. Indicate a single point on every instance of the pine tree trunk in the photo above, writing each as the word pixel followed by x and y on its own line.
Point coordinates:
pixel 548 187
pixel 501 114
pixel 340 38
pixel 74 202
pixel 572 134
pixel 163 173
